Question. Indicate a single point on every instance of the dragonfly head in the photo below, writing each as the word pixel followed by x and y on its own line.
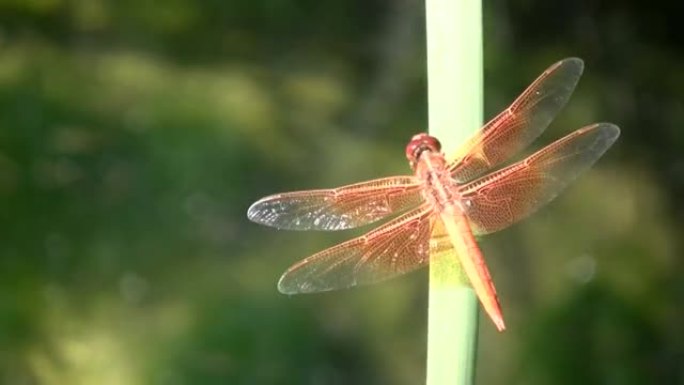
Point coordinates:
pixel 418 144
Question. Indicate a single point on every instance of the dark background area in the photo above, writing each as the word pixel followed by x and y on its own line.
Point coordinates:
pixel 135 134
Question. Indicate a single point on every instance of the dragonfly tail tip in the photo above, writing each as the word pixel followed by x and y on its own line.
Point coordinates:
pixel 500 324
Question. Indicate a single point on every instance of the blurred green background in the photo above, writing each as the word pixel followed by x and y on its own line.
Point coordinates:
pixel 135 134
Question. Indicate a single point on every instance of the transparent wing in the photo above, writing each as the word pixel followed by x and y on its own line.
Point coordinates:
pixel 395 248
pixel 502 198
pixel 518 125
pixel 337 209
pixel 440 244
pixel 442 248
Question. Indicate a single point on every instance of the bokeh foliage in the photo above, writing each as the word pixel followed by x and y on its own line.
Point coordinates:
pixel 134 135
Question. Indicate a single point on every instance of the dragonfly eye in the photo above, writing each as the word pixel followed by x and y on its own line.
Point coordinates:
pixel 420 143
pixel 433 144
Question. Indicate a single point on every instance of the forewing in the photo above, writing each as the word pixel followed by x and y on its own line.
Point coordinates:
pixel 395 248
pixel 518 125
pixel 502 198
pixel 337 209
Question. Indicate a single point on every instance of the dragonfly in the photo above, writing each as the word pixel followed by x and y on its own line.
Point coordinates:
pixel 447 202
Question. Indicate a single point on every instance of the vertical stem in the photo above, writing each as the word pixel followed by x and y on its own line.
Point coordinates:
pixel 454 50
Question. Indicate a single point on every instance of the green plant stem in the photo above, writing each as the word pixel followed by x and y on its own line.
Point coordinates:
pixel 454 50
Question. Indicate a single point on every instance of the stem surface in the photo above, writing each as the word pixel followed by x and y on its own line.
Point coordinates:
pixel 454 50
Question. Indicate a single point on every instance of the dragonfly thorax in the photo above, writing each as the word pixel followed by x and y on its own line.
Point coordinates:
pixel 440 189
pixel 418 144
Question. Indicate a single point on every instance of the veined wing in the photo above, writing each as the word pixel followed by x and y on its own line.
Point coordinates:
pixel 518 125
pixel 440 243
pixel 502 198
pixel 337 209
pixel 395 248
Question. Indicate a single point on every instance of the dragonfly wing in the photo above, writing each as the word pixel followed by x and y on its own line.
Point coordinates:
pixel 395 248
pixel 502 198
pixel 337 209
pixel 521 123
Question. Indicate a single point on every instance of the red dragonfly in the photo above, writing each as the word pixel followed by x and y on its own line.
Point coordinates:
pixel 447 202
